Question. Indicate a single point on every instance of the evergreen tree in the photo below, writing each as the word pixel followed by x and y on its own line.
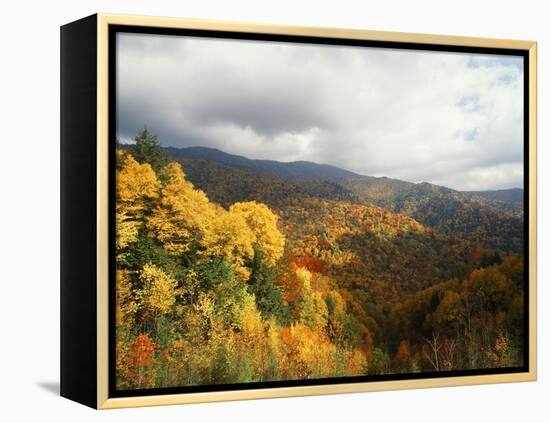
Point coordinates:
pixel 146 250
pixel 148 150
pixel 269 299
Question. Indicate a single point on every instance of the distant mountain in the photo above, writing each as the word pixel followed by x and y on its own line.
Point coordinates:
pixel 490 218
pixel 385 192
pixel 512 197
pixel 300 170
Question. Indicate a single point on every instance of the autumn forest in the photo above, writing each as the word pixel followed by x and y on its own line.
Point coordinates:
pixel 230 270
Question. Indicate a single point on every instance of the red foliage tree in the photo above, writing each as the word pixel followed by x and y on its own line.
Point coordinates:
pixel 141 361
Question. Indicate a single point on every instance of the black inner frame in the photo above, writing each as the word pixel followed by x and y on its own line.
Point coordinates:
pixel 112 51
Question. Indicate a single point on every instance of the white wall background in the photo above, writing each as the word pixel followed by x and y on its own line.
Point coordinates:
pixel 29 228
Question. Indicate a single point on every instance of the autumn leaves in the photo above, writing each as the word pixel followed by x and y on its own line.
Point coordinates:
pixel 295 287
pixel 183 219
pixel 198 298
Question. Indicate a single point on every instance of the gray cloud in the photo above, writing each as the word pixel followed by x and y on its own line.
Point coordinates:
pixel 450 119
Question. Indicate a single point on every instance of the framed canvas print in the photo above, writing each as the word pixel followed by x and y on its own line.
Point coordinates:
pixel 256 211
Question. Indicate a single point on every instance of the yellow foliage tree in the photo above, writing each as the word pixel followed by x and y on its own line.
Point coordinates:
pixel 276 355
pixel 136 186
pixel 183 214
pixel 126 229
pixel 158 293
pixel 135 183
pixel 314 311
pixel 229 236
pixel 263 223
pixel 125 308
pixel 304 276
pixel 125 302
pixel 311 353
pixel 253 342
pixel 336 306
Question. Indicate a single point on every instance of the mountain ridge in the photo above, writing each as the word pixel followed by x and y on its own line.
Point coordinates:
pixel 287 170
pixel 507 195
pixel 303 169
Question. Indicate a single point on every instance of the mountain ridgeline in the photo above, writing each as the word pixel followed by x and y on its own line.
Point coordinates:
pixel 300 170
pixel 493 219
pixel 508 197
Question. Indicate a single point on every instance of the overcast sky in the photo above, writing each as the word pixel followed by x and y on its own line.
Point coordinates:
pixel 446 118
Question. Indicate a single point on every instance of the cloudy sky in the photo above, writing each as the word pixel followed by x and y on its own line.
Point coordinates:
pixel 446 118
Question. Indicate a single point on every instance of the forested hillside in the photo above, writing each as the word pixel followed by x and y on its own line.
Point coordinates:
pixel 489 222
pixel 491 218
pixel 226 185
pixel 507 198
pixel 229 276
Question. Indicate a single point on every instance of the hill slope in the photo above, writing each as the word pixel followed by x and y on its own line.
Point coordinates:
pixel 488 222
pixel 367 290
pixel 482 217
pixel 364 247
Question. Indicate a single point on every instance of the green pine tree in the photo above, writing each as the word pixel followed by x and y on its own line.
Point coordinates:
pixel 269 298
pixel 148 150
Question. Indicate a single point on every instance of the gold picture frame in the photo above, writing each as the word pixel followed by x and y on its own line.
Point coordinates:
pixel 93 33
